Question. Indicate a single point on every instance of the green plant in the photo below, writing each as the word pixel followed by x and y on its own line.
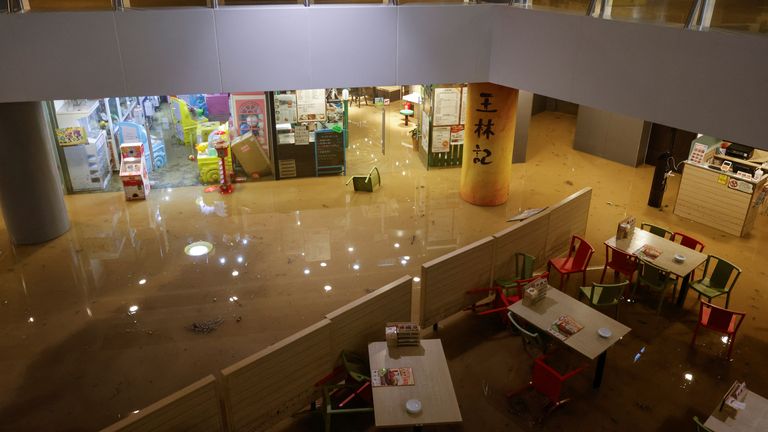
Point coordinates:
pixel 415 133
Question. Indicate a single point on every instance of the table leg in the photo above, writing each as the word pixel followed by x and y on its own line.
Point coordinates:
pixel 599 369
pixel 406 120
pixel 418 428
pixel 683 291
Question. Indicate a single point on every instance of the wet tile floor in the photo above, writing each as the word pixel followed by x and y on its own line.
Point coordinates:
pixel 76 356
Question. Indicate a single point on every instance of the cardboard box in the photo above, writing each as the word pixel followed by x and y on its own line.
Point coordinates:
pixel 133 174
pixel 247 150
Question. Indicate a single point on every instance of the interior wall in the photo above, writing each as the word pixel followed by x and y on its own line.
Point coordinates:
pixel 611 136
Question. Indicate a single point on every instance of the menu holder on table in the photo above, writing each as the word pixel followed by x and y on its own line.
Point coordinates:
pixel 386 377
pixel 626 228
pixel 534 291
pixel 733 402
pixel 565 327
pixel 402 334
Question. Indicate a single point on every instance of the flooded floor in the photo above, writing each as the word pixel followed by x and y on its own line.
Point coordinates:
pixel 105 319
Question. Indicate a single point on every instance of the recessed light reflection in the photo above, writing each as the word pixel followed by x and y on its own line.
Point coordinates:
pixel 233 299
pixel 724 339
pixel 407 258
pixel 142 281
pixel 323 264
pixel 351 249
pixel 356 266
pixel 235 273
pixel 397 245
pixel 31 319
pixel 306 271
pixel 135 412
pixel 198 248
pixel 688 376
pixel 403 262
pixel 240 259
pixel 222 260
pixel 133 309
pixel 245 241
pixel 327 288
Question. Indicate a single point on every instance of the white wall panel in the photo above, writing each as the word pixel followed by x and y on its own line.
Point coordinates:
pixel 169 51
pixel 267 48
pixel 443 43
pixel 353 46
pixel 59 55
pixel 534 51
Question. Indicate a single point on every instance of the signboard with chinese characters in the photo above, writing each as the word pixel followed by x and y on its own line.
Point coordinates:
pixel 488 141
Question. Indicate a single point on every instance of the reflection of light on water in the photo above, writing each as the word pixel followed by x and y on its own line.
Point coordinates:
pixel 350 249
pixel 323 264
pixel 233 299
pixel 245 241
pixel 142 281
pixel 135 412
pixel 403 262
pixel 639 353
pixel 724 339
pixel 31 319
pixel 417 279
pixel 407 258
pixel 327 288
pixel 133 309
pixel 688 376
pixel 240 259
pixel 397 245
pixel 306 271
pixel 235 273
pixel 356 266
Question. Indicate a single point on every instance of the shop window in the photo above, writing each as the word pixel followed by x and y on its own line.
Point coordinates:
pixel 66 5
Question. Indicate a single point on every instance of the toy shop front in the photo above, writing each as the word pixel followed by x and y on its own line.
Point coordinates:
pixel 136 144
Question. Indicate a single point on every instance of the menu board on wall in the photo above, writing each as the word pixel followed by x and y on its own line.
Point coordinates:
pixel 301 135
pixel 441 139
pixel 463 116
pixel 285 108
pixel 446 106
pixel 330 148
pixel 311 104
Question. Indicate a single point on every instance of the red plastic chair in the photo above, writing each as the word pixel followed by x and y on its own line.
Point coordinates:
pixel 720 320
pixel 621 262
pixel 689 242
pixel 579 254
pixel 548 382
pixel 503 297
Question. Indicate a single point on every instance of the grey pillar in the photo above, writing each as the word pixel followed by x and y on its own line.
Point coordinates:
pixel 30 190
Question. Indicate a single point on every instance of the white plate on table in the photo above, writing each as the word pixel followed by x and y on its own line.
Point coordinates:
pixel 413 406
pixel 604 332
pixel 679 258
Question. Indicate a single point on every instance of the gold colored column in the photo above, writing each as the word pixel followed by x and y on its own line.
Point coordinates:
pixel 489 136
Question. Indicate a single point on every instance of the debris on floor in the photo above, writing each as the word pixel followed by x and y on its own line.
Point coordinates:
pixel 205 327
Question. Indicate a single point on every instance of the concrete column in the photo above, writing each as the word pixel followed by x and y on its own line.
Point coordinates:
pixel 489 137
pixel 30 191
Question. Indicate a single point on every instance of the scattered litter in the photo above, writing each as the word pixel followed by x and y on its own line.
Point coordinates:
pixel 413 237
pixel 149 332
pixel 214 299
pixel 238 319
pixel 569 183
pixel 485 388
pixel 205 326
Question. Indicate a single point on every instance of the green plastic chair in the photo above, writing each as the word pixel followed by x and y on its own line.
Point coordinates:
pixel 717 283
pixel 353 395
pixel 534 344
pixel 700 426
pixel 523 271
pixel 600 295
pixel 656 230
pixel 655 278
pixel 366 183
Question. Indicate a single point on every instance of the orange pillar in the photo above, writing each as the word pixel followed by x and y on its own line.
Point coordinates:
pixel 489 136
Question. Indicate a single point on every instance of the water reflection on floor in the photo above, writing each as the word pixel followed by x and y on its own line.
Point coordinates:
pixel 103 320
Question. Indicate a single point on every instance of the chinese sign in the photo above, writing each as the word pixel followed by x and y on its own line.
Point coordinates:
pixel 488 141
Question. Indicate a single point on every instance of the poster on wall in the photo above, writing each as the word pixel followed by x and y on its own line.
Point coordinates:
pixel 285 108
pixel 441 139
pixel 457 135
pixel 425 131
pixel 463 116
pixel 446 106
pixel 301 135
pixel 71 136
pixel 311 104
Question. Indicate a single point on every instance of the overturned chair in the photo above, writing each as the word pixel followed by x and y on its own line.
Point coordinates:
pixel 366 183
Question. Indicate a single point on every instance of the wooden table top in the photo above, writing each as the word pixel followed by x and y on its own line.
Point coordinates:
pixel 433 385
pixel 557 303
pixel 668 250
pixel 753 418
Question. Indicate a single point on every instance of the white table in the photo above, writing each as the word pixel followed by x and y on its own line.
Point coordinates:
pixel 587 342
pixel 666 260
pixel 753 418
pixel 432 385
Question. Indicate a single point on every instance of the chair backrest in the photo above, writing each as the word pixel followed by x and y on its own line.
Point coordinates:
pixel 652 274
pixel 656 230
pixel 547 380
pixel 721 273
pixel 527 335
pixel 356 366
pixel 609 293
pixel 619 258
pixel 720 319
pixel 582 252
pixel 524 265
pixel 687 241
pixel 700 426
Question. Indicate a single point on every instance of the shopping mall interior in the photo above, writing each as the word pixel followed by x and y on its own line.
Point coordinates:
pixel 118 312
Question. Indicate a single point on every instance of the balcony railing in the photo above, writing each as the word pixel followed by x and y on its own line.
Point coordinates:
pixel 732 15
